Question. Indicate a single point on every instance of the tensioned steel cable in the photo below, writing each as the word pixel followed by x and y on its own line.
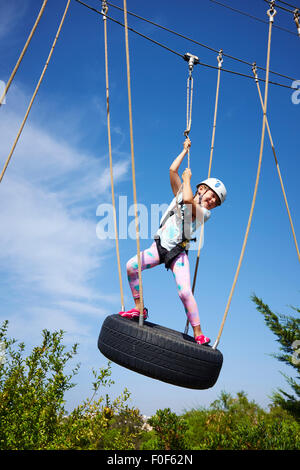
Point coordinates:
pixel 295 12
pixel 179 54
pixel 131 29
pixel 288 4
pixel 197 42
pixel 279 6
pixel 251 16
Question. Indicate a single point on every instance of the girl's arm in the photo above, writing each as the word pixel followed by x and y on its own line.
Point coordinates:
pixel 174 177
pixel 188 196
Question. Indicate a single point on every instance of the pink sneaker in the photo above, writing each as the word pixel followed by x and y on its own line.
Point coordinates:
pixel 134 313
pixel 202 339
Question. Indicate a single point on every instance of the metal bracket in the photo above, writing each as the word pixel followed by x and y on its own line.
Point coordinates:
pixel 271 12
pixel 192 60
pixel 220 58
pixel 104 9
pixel 254 70
pixel 296 18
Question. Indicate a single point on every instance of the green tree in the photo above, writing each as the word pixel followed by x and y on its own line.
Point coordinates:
pixel 287 330
pixel 32 403
pixel 32 390
pixel 235 423
pixel 170 430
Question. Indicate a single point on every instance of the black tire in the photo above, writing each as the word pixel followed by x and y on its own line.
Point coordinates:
pixel 160 353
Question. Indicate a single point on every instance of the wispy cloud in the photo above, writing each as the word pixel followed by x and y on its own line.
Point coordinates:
pixel 48 237
pixel 11 13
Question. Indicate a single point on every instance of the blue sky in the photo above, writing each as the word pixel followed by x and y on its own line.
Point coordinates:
pixel 55 272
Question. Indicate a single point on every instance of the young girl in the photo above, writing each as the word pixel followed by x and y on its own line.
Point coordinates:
pixel 182 218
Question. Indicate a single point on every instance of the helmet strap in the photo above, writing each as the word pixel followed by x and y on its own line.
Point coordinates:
pixel 201 196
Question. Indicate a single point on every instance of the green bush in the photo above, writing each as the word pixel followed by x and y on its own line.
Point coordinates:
pixel 33 415
pixel 169 432
pixel 32 412
pixel 32 391
pixel 237 424
pixel 286 328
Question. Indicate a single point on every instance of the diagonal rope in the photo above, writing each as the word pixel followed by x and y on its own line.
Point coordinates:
pixel 271 13
pixel 110 159
pixel 277 164
pixel 220 61
pixel 35 91
pixel 141 317
pixel 23 52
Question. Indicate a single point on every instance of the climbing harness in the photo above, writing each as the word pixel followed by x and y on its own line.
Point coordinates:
pixel 192 61
pixel 174 209
pixel 153 350
pixel 162 353
pixel 131 346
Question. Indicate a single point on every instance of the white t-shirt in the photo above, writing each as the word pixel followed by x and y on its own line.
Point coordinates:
pixel 171 232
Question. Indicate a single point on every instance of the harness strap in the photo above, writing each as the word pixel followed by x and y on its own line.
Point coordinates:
pixel 184 239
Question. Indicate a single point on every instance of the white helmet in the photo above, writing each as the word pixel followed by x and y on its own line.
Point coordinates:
pixel 217 186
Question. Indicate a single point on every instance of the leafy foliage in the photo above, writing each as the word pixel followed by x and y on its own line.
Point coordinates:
pixel 32 412
pixel 32 391
pixel 287 330
pixel 235 423
pixel 33 415
pixel 169 429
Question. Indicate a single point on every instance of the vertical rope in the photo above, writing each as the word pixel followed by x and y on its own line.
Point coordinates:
pixel 110 159
pixel 23 52
pixel 189 106
pixel 271 12
pixel 276 163
pixel 35 91
pixel 141 317
pixel 220 61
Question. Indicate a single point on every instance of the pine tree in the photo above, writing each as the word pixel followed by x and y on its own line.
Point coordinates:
pixel 286 329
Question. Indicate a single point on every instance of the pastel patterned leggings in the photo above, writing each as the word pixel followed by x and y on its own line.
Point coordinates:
pixel 181 270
